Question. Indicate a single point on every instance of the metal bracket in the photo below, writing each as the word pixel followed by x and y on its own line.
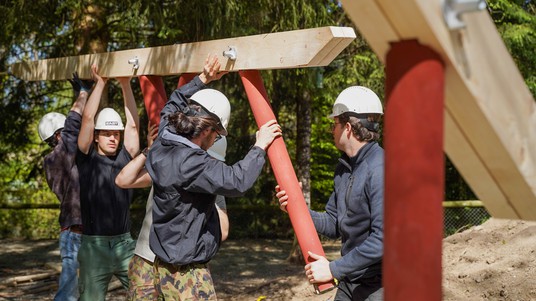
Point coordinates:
pixel 453 9
pixel 230 53
pixel 134 62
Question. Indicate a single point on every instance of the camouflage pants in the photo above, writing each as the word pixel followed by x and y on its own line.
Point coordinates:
pixel 142 280
pixel 188 282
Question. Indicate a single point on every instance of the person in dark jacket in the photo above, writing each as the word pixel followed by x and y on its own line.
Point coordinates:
pixel 134 175
pixel 186 231
pixel 354 211
pixel 61 133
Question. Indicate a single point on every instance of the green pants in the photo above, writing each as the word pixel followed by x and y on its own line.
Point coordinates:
pixel 100 258
pixel 189 282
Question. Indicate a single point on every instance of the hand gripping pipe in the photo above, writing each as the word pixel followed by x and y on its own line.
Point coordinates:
pixel 284 173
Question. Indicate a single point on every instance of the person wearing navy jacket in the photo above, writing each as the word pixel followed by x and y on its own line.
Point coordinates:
pixel 354 211
pixel 185 234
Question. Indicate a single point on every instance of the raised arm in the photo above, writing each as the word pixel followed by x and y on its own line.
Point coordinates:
pixel 88 116
pixel 133 175
pixel 179 98
pixel 81 88
pixel 131 136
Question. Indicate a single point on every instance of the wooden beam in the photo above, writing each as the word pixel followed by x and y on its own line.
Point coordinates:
pixel 490 115
pixel 283 50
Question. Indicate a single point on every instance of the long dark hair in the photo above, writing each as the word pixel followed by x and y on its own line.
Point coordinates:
pixel 362 132
pixel 191 126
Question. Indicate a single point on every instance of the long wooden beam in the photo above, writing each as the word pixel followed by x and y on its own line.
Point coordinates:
pixel 282 50
pixel 490 115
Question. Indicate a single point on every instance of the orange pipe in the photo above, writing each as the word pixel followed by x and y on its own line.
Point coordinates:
pixel 284 172
pixel 154 96
pixel 185 78
pixel 414 173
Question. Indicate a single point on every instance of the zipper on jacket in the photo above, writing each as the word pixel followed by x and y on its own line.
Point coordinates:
pixel 347 199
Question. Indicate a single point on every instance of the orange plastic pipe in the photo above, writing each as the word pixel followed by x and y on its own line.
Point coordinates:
pixel 414 173
pixel 284 172
pixel 154 96
pixel 185 78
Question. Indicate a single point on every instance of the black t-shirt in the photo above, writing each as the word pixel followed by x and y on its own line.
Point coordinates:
pixel 105 206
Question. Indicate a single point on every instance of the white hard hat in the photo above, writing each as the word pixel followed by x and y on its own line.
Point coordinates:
pixel 109 119
pixel 357 99
pixel 216 104
pixel 219 149
pixel 49 124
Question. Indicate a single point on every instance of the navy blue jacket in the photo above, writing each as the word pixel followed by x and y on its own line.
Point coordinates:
pixel 354 213
pixel 186 180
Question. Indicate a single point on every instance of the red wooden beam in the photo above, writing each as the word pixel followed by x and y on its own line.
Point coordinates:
pixel 414 173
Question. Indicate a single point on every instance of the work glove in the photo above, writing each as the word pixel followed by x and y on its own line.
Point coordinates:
pixel 80 84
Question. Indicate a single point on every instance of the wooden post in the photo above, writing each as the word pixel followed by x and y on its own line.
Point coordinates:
pixel 414 175
pixel 284 172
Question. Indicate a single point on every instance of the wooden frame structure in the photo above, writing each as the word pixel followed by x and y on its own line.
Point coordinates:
pixel 490 115
pixel 282 50
pixel 462 67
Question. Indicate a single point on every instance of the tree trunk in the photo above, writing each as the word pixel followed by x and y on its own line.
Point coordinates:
pixel 92 35
pixel 303 161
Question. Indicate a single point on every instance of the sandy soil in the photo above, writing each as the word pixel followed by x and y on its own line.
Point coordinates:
pixel 493 261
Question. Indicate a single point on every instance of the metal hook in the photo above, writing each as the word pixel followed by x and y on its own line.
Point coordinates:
pixel 453 9
pixel 134 62
pixel 230 53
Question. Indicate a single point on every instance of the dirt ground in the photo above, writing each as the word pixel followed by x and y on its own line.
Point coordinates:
pixel 493 261
pixel 242 270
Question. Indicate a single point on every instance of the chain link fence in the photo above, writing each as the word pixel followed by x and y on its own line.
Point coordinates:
pixel 461 215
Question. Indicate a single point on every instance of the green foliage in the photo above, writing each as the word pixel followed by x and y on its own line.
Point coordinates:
pixel 517 26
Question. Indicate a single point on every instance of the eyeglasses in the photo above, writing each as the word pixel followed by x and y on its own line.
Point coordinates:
pixel 218 136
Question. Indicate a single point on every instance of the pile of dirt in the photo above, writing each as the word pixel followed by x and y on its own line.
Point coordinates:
pixel 493 261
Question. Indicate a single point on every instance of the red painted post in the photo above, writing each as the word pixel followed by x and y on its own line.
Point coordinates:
pixel 154 96
pixel 414 173
pixel 284 172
